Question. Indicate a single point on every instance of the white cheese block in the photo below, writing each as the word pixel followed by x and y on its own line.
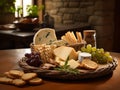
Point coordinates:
pixel 83 55
pixel 64 53
pixel 73 64
pixel 44 36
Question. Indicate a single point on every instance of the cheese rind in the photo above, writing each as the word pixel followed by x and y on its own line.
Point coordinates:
pixel 44 36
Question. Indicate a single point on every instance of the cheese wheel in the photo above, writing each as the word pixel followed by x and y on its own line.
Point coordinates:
pixel 44 36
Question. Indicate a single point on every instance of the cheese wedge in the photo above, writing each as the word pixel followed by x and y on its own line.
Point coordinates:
pixel 64 53
pixel 73 63
pixel 44 36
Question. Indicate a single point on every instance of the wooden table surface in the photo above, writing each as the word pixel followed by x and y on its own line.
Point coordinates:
pixel 9 59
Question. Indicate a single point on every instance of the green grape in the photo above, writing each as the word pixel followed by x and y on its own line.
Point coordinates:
pixel 98 51
pixel 93 49
pixel 83 49
pixel 89 46
pixel 107 54
pixel 102 50
pixel 98 55
pixel 110 59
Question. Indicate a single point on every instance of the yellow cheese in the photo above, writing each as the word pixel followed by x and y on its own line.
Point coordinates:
pixel 64 53
pixel 44 36
pixel 59 61
pixel 73 64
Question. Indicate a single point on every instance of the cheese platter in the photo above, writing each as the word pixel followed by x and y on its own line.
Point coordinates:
pixel 69 58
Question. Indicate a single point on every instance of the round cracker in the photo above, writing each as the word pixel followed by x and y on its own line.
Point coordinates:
pixel 28 76
pixel 35 81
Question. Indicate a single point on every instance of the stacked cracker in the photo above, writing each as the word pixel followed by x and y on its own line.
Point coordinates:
pixel 19 78
pixel 70 37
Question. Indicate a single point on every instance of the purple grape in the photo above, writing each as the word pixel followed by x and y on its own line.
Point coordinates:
pixel 33 59
pixel 28 55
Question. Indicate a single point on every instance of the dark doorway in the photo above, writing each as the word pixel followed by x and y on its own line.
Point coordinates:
pixel 117 27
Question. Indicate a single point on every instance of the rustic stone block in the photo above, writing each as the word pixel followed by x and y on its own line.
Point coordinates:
pixel 68 22
pixel 73 4
pixel 90 10
pixel 54 11
pixel 67 16
pixel 56 0
pixel 63 10
pixel 86 4
pixel 99 5
pixel 69 10
pixel 66 4
pixel 73 10
pixel 58 4
pixel 58 19
pixel 48 5
pixel 83 11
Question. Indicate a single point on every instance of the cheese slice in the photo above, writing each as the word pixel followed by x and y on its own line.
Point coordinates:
pixel 44 36
pixel 73 63
pixel 64 53
pixel 59 61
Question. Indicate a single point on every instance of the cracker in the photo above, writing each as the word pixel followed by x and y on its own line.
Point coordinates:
pixel 16 73
pixel 68 37
pixel 73 37
pixel 79 37
pixel 7 74
pixel 89 64
pixel 35 81
pixel 65 39
pixel 28 76
pixel 6 80
pixel 18 82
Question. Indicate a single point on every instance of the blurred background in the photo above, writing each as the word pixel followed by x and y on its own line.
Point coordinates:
pixel 20 19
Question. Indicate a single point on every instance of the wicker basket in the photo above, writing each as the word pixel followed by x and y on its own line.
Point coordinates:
pixel 76 46
pixel 83 74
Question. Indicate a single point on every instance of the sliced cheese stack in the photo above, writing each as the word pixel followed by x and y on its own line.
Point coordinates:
pixel 63 53
pixel 44 36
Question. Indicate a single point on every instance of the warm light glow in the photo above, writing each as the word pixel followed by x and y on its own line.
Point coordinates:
pixel 22 3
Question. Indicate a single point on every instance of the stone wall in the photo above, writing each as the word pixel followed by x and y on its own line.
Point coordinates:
pixel 99 13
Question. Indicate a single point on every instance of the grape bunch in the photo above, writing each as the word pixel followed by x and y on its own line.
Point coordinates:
pixel 33 59
pixel 98 55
